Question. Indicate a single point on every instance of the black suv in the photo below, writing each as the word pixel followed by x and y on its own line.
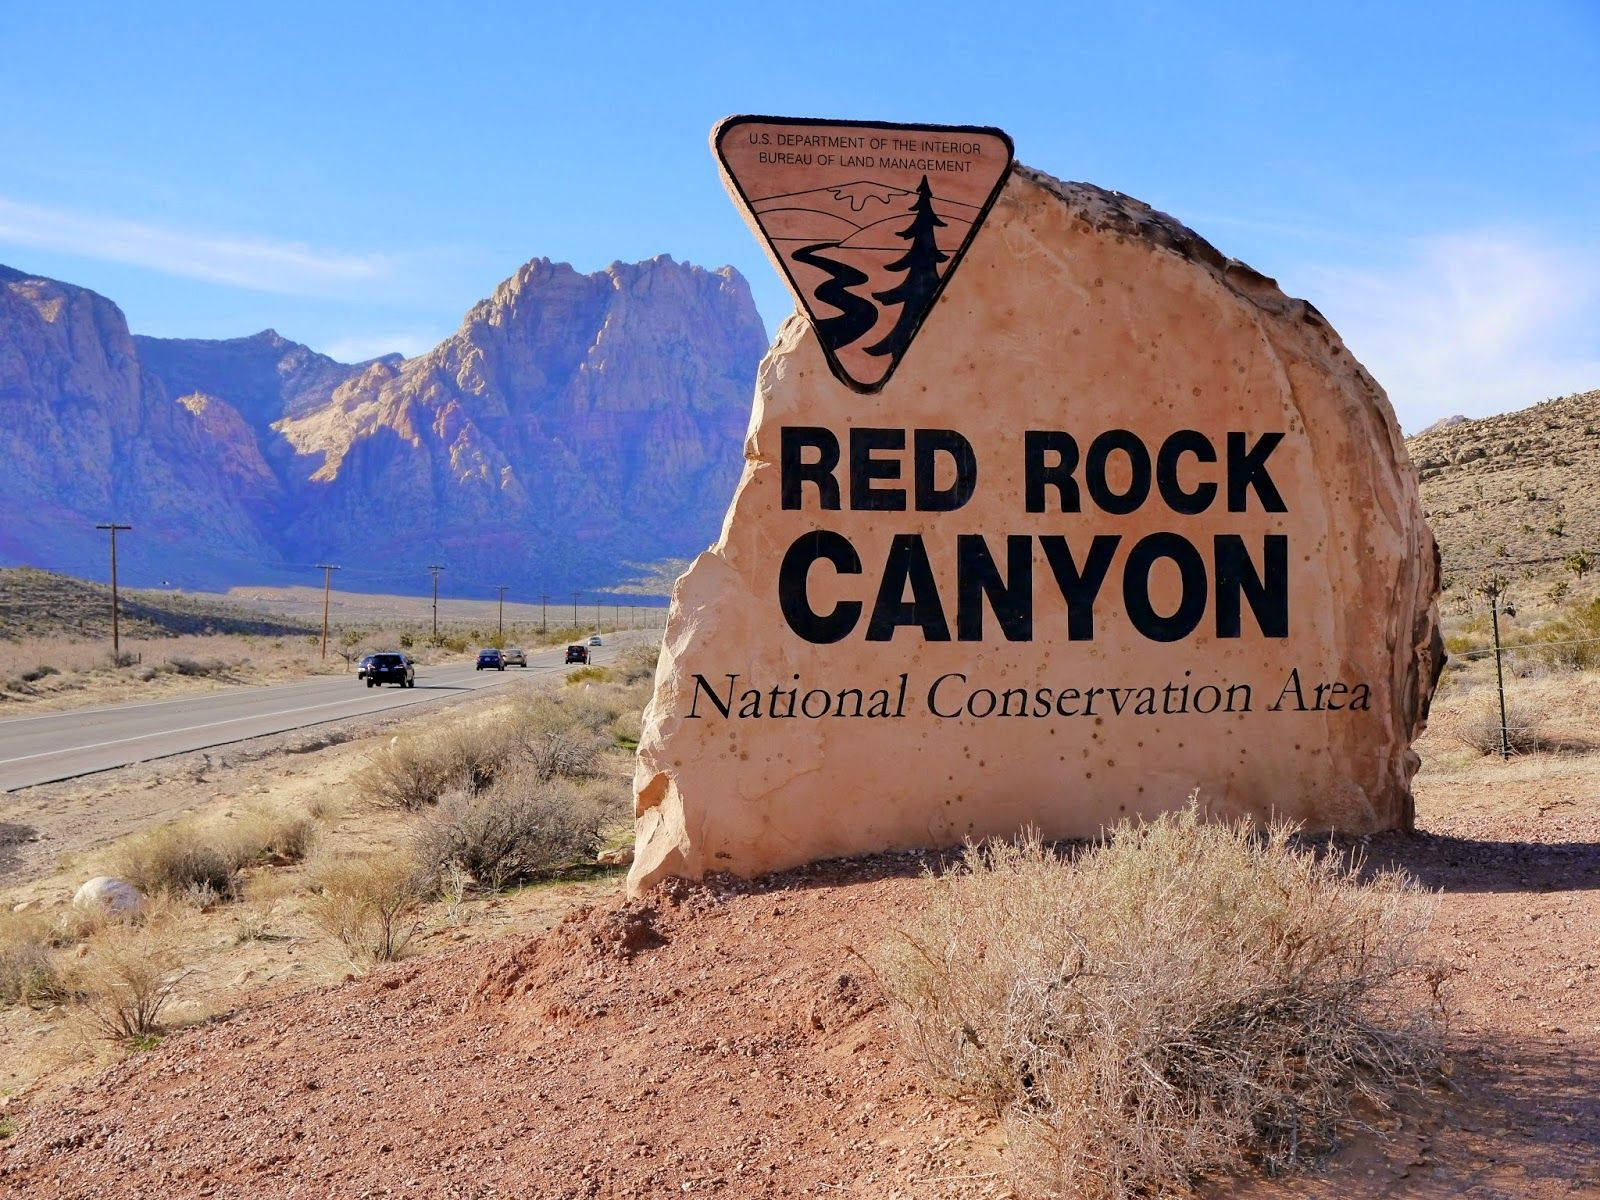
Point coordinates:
pixel 577 654
pixel 491 660
pixel 390 668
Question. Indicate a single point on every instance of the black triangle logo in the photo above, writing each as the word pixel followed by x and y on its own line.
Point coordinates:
pixel 866 222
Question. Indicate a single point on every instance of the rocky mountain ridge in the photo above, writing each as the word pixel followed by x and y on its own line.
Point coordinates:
pixel 574 424
pixel 1513 494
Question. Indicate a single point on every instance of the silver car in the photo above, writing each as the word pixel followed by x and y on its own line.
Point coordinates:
pixel 516 656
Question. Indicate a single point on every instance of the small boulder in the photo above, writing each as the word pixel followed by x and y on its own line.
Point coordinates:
pixel 116 896
pixel 620 857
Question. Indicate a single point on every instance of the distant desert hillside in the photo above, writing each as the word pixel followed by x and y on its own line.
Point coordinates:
pixel 1516 493
pixel 45 604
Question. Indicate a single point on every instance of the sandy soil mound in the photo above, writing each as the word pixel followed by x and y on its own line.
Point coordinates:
pixel 718 1039
pixel 726 1039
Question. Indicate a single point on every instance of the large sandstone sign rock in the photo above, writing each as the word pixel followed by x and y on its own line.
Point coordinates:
pixel 1126 523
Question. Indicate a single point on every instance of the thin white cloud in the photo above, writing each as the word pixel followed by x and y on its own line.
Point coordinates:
pixel 289 268
pixel 1473 323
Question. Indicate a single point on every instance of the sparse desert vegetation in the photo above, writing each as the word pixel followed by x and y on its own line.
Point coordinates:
pixel 404 838
pixel 1516 490
pixel 55 637
pixel 1183 1000
pixel 1253 992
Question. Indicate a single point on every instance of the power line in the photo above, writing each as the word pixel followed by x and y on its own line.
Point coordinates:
pixel 1482 650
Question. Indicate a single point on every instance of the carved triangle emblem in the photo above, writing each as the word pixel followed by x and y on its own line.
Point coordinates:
pixel 866 222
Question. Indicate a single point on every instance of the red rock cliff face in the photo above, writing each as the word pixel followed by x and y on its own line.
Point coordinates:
pixel 87 435
pixel 572 425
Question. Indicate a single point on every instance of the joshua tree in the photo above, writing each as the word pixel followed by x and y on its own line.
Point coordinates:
pixel 1579 563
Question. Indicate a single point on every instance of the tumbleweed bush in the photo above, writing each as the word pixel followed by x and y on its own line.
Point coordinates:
pixel 1181 1000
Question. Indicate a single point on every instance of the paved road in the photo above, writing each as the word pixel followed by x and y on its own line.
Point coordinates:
pixel 63 745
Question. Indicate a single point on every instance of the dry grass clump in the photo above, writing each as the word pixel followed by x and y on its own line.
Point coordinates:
pixel 524 827
pixel 28 973
pixel 263 837
pixel 182 664
pixel 369 905
pixel 1571 641
pixel 124 980
pixel 552 736
pixel 406 774
pixel 1182 1000
pixel 1480 730
pixel 412 773
pixel 561 738
pixel 638 663
pixel 183 859
pixel 201 862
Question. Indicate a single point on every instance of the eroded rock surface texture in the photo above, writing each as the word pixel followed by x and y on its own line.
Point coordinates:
pixel 1206 569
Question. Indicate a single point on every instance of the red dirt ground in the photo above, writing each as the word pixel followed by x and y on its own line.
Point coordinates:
pixel 726 1039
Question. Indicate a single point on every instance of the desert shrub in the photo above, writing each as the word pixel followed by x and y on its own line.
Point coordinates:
pixel 125 979
pixel 368 904
pixel 34 674
pixel 1571 641
pixel 613 796
pixel 180 664
pixel 412 773
pixel 520 829
pixel 638 662
pixel 1183 1000
pixel 475 752
pixel 405 774
pixel 588 675
pixel 407 641
pixel 1480 730
pixel 179 859
pixel 628 728
pixel 200 862
pixel 558 737
pixel 265 838
pixel 28 972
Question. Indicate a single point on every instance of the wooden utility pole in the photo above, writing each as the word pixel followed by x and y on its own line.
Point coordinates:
pixel 327 570
pixel 116 631
pixel 501 588
pixel 435 569
pixel 575 610
pixel 544 612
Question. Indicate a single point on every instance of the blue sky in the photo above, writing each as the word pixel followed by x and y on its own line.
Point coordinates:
pixel 357 175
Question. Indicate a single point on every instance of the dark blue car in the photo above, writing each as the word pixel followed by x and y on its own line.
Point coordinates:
pixel 491 660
